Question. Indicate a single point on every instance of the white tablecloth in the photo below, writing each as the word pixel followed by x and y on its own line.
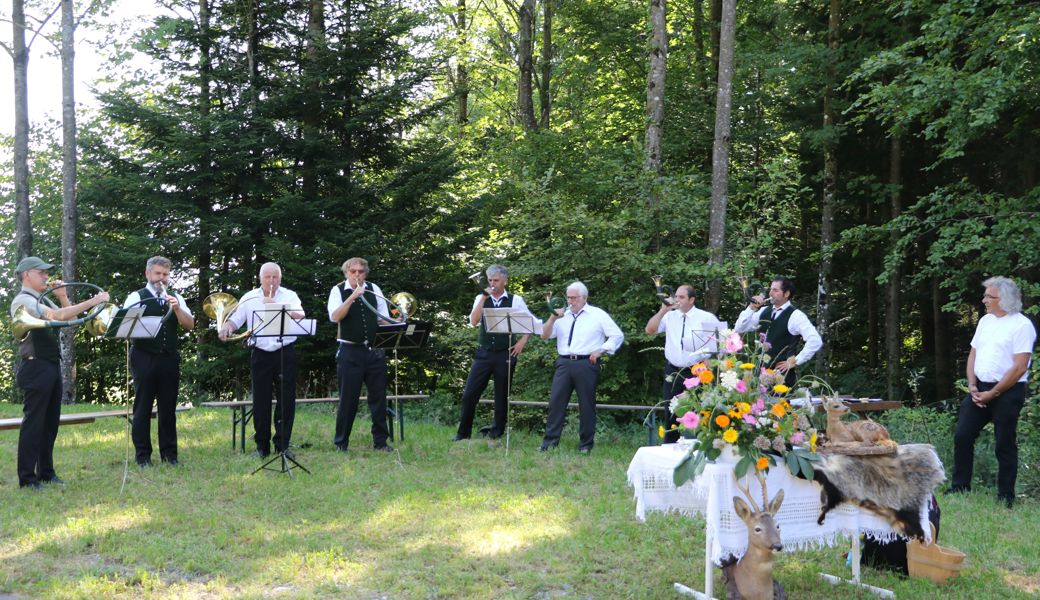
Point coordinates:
pixel 711 496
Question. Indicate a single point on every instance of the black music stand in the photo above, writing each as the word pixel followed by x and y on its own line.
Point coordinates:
pixel 511 321
pixel 409 335
pixel 276 322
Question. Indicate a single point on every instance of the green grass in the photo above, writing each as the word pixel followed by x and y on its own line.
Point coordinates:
pixel 437 520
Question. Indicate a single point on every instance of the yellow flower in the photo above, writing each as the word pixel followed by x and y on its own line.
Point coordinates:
pixel 762 463
pixel 812 443
pixel 747 366
pixel 778 410
pixel 722 421
pixel 729 363
pixel 781 388
pixel 660 431
pixel 730 436
pixel 744 407
pixel 733 414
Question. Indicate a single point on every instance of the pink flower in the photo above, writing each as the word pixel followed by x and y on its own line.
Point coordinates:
pixel 797 437
pixel 741 386
pixel 734 343
pixel 690 420
pixel 759 406
pixel 750 420
pixel 692 382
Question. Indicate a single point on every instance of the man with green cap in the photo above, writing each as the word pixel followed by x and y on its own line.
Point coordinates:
pixel 39 375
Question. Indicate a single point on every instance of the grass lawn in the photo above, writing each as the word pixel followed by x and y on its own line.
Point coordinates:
pixel 434 520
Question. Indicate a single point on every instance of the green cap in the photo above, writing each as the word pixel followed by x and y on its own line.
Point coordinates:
pixel 32 262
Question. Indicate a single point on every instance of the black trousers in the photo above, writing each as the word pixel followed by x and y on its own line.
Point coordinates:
pixel 1003 412
pixel 668 391
pixel 40 381
pixel 573 375
pixel 156 379
pixel 267 368
pixel 357 364
pixel 487 363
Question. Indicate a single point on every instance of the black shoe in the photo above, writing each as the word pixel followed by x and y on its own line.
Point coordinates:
pixel 258 453
pixel 1008 501
pixel 546 446
pixel 173 462
pixel 144 463
pixel 459 438
pixel 384 448
pixel 585 450
pixel 342 449
pixel 55 480
pixel 485 431
pixel 33 486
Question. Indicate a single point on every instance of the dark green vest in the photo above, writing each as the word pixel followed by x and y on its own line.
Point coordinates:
pixel 41 343
pixel 781 342
pixel 494 341
pixel 166 341
pixel 360 324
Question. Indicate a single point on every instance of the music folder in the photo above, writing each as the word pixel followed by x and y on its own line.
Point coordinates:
pixel 512 320
pixel 403 336
pixel 274 320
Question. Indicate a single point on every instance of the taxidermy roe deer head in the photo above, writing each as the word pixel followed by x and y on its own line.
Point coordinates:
pixel 751 578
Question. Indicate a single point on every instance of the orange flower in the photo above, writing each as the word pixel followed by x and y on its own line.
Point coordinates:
pixel 762 463
pixel 778 410
pixel 722 421
pixel 706 376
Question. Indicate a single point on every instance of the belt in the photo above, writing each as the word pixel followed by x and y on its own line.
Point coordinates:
pixel 574 356
pixel 358 345
pixel 492 349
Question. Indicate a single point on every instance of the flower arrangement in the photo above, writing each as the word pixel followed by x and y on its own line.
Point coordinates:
pixel 735 401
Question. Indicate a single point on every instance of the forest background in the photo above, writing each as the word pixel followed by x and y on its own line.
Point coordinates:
pixel 881 154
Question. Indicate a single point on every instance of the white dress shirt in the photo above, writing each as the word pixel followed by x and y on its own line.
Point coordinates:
pixel 798 324
pixel 996 342
pixel 518 301
pixel 593 331
pixel 134 298
pixel 688 337
pixel 336 301
pixel 253 302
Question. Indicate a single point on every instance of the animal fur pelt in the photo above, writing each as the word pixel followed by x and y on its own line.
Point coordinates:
pixel 893 486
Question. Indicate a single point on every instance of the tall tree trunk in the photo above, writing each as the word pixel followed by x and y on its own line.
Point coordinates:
pixel 873 300
pixel 544 93
pixel 700 59
pixel 205 208
pixel 70 212
pixel 313 107
pixel 720 150
pixel 716 37
pixel 655 90
pixel 893 301
pixel 830 188
pixel 525 60
pixel 23 236
pixel 461 65
pixel 944 361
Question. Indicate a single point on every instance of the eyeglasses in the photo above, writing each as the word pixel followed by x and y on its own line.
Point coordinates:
pixel 356 271
pixel 990 297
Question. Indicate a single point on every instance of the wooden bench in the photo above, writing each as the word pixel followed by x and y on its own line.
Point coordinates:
pixel 79 418
pixel 650 422
pixel 242 412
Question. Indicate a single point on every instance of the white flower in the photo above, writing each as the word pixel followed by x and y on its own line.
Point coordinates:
pixel 728 380
pixel 673 404
pixel 725 333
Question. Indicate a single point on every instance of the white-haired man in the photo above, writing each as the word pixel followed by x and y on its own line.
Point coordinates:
pixel 997 370
pixel 583 334
pixel 273 359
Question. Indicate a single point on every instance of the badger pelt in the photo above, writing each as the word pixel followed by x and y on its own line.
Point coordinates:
pixel 893 486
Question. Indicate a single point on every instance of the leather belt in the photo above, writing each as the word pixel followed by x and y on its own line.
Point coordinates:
pixel 350 344
pixel 575 356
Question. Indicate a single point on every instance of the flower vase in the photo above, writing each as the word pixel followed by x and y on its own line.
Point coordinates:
pixel 729 454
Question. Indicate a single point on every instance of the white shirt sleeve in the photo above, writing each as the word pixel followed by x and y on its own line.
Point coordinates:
pixel 747 320
pixel 615 337
pixel 800 325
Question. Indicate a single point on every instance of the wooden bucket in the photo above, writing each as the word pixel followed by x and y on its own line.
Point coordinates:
pixel 933 561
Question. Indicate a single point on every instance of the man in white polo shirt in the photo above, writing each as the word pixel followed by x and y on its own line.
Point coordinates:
pixel 998 366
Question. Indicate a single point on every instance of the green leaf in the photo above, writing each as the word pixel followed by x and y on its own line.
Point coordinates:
pixel 742 466
pixel 792 462
pixel 688 468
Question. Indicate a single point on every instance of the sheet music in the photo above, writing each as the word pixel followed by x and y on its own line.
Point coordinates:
pixel 511 320
pixel 273 321
pixel 135 325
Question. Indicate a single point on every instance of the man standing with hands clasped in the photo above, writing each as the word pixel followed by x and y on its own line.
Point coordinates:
pixel 583 333
pixel 156 363
pixel 997 370
pixel 495 356
pixel 688 339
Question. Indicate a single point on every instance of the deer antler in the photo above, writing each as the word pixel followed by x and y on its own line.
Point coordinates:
pixel 747 493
